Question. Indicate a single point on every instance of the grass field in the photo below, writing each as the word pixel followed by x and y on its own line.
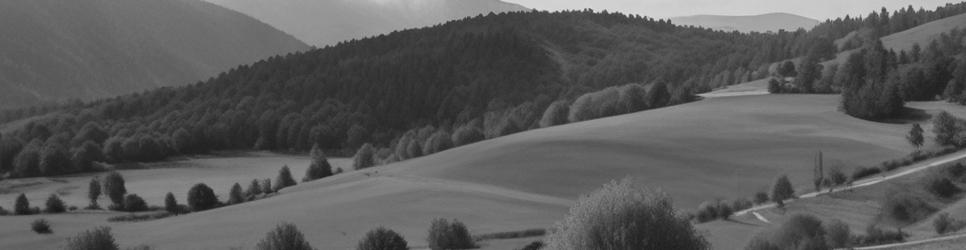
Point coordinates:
pixel 725 147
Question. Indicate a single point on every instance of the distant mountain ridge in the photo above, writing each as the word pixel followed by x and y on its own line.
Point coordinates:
pixel 53 50
pixel 760 23
pixel 328 22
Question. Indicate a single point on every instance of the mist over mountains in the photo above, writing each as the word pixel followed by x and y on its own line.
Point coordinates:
pixel 327 22
pixel 56 50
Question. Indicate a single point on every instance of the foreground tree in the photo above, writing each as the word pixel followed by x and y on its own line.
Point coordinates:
pixel 285 237
pixel 97 239
pixel 94 192
pixel 114 187
pixel 382 239
pixel 625 215
pixel 201 198
pixel 782 190
pixel 915 136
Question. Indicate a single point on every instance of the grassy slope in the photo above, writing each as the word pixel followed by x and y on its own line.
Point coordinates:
pixel 720 147
pixel 923 34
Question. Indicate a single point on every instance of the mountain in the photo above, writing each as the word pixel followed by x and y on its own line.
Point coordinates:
pixel 327 22
pixel 53 50
pixel 760 23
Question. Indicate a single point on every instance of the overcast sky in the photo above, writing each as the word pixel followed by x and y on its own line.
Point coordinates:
pixel 818 9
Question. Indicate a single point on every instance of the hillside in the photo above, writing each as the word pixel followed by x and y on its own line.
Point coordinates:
pixel 328 22
pixel 84 49
pixel 716 148
pixel 772 22
pixel 924 34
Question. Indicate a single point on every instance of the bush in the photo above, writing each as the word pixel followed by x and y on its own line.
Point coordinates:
pixel 22 206
pixel 741 204
pixel 284 179
pixel 97 239
pixel 140 217
pixel 382 239
pixel 201 198
pixel 707 211
pixel 536 245
pixel 942 223
pixel 801 230
pixel 512 235
pixel 446 235
pixel 40 226
pixel 876 236
pixel 284 237
pixel 761 198
pixel 134 203
pixel 862 172
pixel 838 234
pixel 905 207
pixel 54 205
pixel 631 216
pixel 114 188
pixel 942 187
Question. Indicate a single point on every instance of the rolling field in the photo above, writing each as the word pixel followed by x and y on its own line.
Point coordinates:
pixel 726 147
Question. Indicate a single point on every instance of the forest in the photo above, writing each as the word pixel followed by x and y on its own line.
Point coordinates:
pixel 419 91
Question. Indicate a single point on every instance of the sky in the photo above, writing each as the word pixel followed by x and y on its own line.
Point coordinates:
pixel 817 9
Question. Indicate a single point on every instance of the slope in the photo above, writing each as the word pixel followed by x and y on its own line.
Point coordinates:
pixel 772 22
pixel 56 50
pixel 717 148
pixel 328 22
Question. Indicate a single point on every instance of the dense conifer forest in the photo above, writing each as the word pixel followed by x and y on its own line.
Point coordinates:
pixel 416 92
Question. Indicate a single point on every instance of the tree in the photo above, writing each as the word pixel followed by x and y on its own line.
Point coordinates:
pixel 54 205
pixel 83 157
pixel 27 162
pixel 469 134
pixel 630 216
pixel 810 71
pixel 22 206
pixel 363 158
pixel 556 114
pixel 319 168
pixel 838 235
pixel 201 198
pixel 254 189
pixel 787 69
pixel 94 192
pixel 114 187
pixel 235 195
pixel 946 128
pixel 446 235
pixel 782 190
pixel 98 239
pixel 915 136
pixel 54 160
pixel 774 86
pixel 171 204
pixel 40 226
pixel 801 231
pixel 284 179
pixel 284 237
pixel 382 239
pixel 658 96
pixel 134 203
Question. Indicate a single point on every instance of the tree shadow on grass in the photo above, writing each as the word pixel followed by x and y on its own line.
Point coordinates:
pixel 909 115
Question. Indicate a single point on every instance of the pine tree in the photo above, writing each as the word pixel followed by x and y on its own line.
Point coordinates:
pixel 364 157
pixel 171 204
pixel 782 190
pixel 254 189
pixel 21 206
pixel 235 195
pixel 284 179
pixel 319 168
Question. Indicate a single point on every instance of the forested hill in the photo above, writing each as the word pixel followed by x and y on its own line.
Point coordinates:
pixel 54 50
pixel 453 83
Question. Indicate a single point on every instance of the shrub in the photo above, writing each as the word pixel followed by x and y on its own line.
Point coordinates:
pixel 761 197
pixel 364 157
pixel 801 230
pixel 132 217
pixel 114 187
pixel 22 206
pixel 761 243
pixel 382 239
pixel 942 223
pixel 905 207
pixel 838 234
pixel 707 211
pixel 54 205
pixel 97 239
pixel 862 172
pixel 512 235
pixel 40 226
pixel 446 235
pixel 836 177
pixel 942 187
pixel 284 179
pixel 284 237
pixel 134 203
pixel 171 204
pixel 631 216
pixel 876 236
pixel 741 204
pixel 724 210
pixel 201 197
pixel 468 135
